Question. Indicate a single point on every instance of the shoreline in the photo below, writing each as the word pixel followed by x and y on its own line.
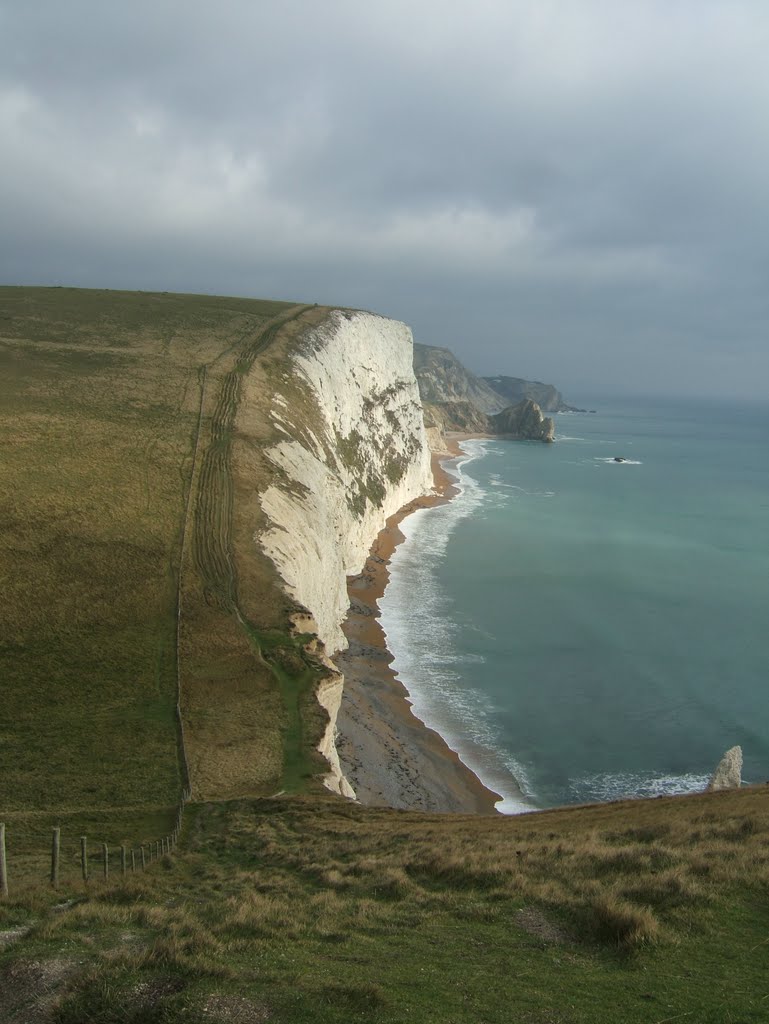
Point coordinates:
pixel 390 757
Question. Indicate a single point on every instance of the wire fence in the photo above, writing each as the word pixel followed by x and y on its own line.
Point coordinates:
pixel 94 859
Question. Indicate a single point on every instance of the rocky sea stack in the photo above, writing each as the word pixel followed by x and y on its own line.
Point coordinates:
pixel 524 420
pixel 728 774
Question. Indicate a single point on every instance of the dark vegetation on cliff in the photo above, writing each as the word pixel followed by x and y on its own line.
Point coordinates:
pixel 133 430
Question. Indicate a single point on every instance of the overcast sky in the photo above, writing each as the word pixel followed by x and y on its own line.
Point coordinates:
pixel 570 190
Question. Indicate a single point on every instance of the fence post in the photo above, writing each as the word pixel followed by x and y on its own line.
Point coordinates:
pixel 55 845
pixel 3 864
pixel 133 860
pixel 84 857
pixel 144 864
pixel 157 849
pixel 122 860
pixel 105 858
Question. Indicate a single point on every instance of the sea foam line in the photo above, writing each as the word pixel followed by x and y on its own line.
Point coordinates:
pixel 416 619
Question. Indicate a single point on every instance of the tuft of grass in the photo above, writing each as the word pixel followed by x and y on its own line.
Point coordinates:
pixel 607 917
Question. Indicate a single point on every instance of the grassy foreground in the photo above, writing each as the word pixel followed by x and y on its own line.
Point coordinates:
pixel 310 911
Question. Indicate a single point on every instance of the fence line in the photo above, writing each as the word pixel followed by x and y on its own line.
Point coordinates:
pixel 185 765
pixel 3 865
pixel 164 846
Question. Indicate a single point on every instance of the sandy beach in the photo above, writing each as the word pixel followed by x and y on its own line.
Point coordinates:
pixel 390 757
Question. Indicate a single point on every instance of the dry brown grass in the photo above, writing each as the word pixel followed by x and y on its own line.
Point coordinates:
pixel 600 874
pixel 622 872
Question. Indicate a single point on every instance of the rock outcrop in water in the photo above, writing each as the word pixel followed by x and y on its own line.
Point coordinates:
pixel 728 774
pixel 524 420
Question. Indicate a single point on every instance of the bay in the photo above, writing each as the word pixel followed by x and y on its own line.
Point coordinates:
pixel 584 629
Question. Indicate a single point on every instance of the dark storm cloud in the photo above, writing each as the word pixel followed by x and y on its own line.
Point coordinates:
pixel 572 191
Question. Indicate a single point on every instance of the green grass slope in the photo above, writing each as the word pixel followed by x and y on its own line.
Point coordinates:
pixel 118 452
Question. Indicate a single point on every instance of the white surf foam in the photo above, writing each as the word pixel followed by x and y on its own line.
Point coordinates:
pixel 416 619
pixel 622 785
pixel 612 461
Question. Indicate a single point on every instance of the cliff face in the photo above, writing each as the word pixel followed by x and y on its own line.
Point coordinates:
pixel 516 389
pixel 352 456
pixel 460 415
pixel 364 456
pixel 455 399
pixel 442 378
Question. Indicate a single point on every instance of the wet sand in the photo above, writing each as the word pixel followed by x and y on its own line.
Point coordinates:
pixel 390 757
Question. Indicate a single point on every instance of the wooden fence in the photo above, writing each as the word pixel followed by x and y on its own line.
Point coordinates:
pixel 131 857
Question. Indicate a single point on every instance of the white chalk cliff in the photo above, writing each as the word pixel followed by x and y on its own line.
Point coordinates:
pixel 361 454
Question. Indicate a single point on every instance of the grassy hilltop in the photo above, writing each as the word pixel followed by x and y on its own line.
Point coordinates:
pixel 135 603
pixel 121 453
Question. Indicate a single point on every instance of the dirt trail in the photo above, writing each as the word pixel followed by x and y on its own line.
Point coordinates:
pixel 213 506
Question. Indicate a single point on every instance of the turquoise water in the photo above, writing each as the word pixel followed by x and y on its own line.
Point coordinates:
pixel 590 629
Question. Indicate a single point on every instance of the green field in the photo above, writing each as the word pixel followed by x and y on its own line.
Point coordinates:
pixel 145 647
pixel 119 450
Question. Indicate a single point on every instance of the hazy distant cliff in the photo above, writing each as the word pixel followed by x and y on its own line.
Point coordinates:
pixel 516 389
pixel 442 378
pixel 455 399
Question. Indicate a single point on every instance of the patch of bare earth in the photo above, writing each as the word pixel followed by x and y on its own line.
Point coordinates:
pixel 234 1010
pixel 29 989
pixel 533 921
pixel 11 935
pixel 148 993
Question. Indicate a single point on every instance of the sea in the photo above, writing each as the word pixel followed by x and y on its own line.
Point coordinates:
pixel 581 629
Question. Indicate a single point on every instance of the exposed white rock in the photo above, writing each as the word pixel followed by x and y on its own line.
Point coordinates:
pixel 437 441
pixel 728 774
pixel 366 456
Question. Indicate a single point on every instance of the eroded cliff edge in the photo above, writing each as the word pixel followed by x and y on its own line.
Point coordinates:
pixel 353 451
